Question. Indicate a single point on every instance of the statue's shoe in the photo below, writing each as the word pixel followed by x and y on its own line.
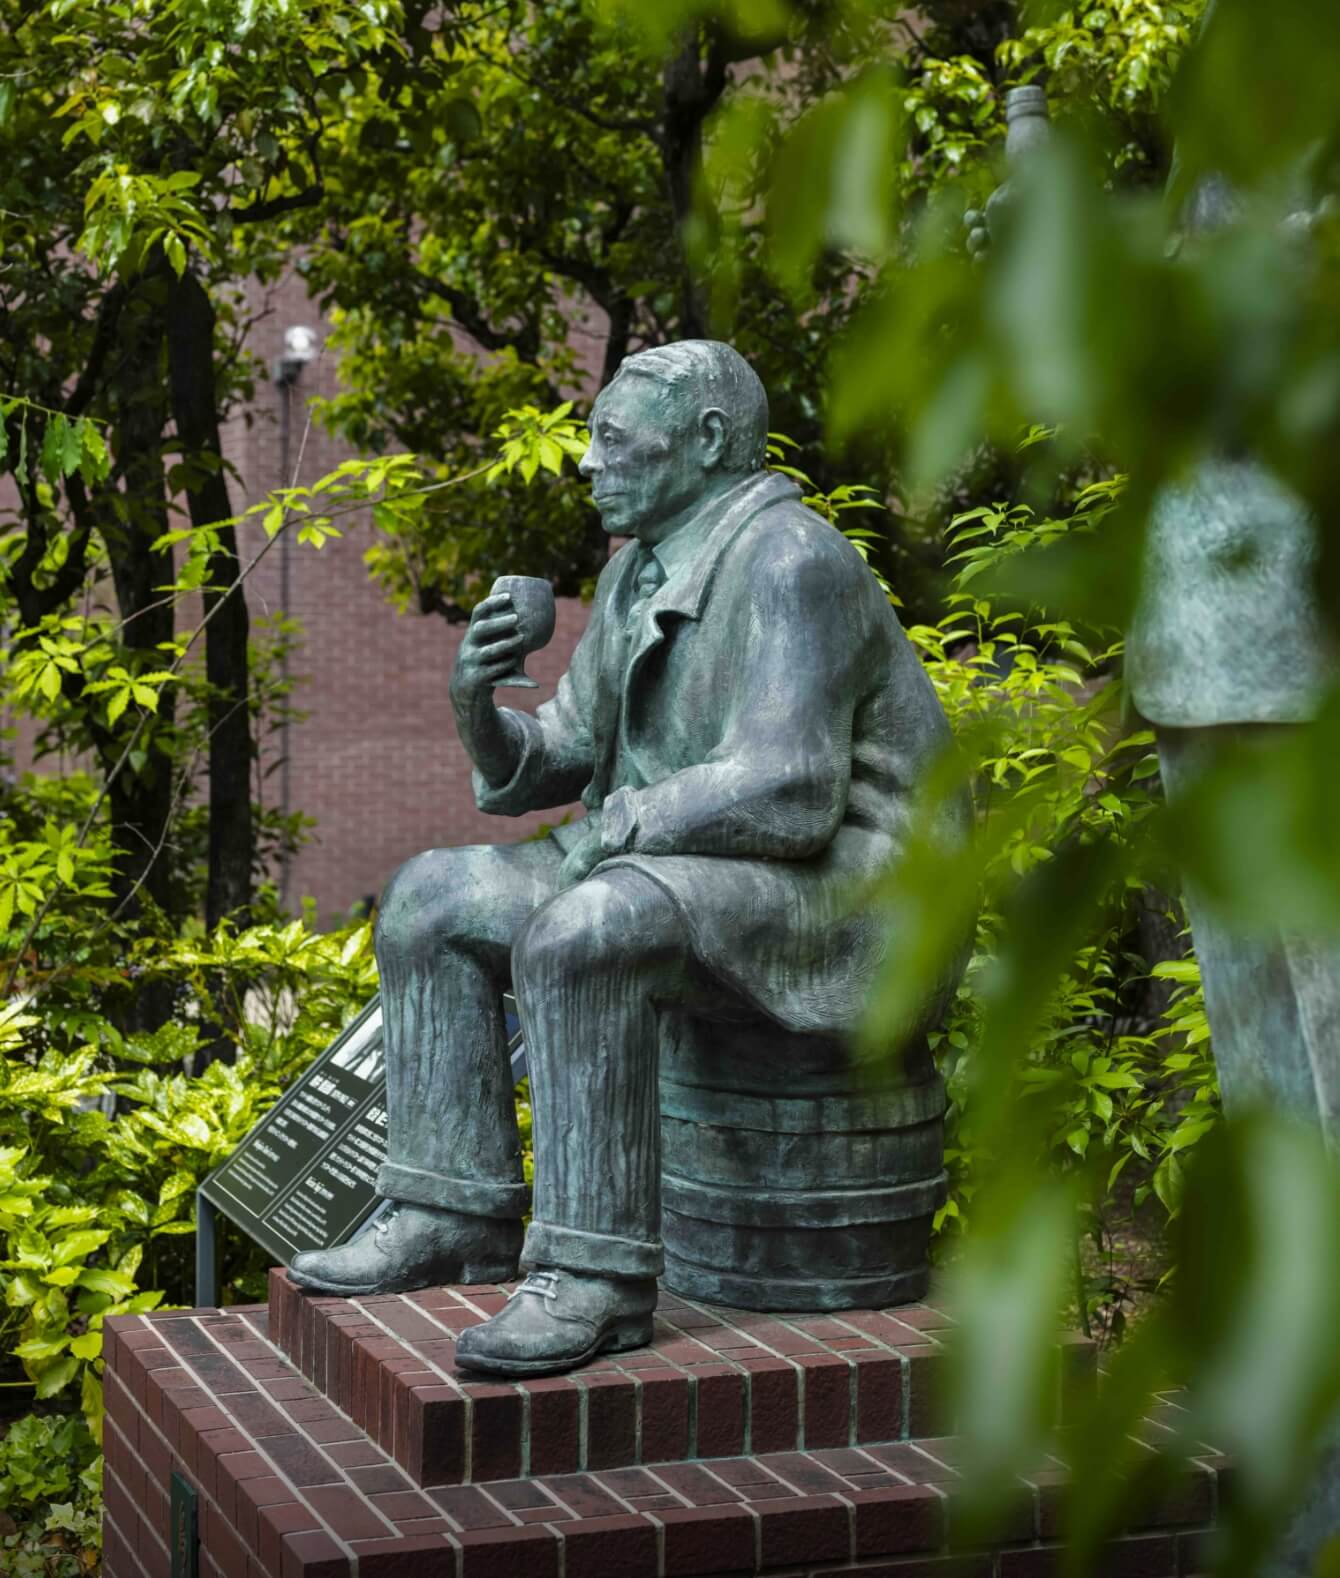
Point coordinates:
pixel 414 1246
pixel 557 1320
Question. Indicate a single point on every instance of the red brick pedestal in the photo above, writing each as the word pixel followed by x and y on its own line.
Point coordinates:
pixel 334 1439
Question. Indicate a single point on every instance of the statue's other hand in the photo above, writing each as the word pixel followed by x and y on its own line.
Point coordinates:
pixel 582 859
pixel 488 651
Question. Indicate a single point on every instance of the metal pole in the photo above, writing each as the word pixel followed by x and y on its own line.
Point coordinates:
pixel 285 608
pixel 206 1253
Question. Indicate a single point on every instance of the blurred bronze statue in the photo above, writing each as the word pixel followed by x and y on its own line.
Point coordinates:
pixel 1227 649
pixel 745 723
pixel 1226 653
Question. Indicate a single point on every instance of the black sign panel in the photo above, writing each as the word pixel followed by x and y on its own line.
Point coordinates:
pixel 306 1175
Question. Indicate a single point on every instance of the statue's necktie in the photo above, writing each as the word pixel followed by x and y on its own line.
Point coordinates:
pixel 650 577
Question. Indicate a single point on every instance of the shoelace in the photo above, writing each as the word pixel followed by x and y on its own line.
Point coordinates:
pixel 382 1225
pixel 545 1283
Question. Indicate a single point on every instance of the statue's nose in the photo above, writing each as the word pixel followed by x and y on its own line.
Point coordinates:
pixel 588 465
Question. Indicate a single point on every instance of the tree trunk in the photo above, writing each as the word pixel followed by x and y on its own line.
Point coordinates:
pixel 140 800
pixel 619 309
pixel 691 89
pixel 190 334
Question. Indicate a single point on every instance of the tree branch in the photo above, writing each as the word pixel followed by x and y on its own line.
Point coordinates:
pixel 644 125
pixel 34 601
pixel 104 337
pixel 525 341
pixel 70 577
pixel 272 208
pixel 191 379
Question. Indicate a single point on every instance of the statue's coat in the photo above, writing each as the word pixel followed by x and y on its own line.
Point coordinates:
pixel 770 723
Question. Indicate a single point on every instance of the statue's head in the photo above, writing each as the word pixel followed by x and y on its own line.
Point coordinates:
pixel 676 425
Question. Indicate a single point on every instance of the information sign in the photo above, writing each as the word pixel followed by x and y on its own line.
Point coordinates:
pixel 306 1175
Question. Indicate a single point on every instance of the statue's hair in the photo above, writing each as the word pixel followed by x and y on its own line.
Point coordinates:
pixel 719 377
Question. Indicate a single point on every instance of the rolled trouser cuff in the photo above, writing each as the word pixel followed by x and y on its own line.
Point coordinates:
pixel 469 1196
pixel 595 1254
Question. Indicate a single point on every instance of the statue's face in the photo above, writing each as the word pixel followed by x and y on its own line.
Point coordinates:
pixel 648 462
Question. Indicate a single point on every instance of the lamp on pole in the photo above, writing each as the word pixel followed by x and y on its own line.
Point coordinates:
pixel 301 346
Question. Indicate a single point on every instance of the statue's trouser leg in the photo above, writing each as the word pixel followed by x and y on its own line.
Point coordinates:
pixel 444 937
pixel 1273 1000
pixel 588 971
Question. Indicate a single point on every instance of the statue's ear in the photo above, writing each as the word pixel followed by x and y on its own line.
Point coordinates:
pixel 712 426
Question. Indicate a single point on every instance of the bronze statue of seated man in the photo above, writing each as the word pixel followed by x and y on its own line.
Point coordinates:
pixel 746 723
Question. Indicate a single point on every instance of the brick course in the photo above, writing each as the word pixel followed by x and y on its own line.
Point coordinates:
pixel 291 1486
pixel 715 1383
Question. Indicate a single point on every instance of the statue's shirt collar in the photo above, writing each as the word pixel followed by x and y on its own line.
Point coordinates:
pixel 682 548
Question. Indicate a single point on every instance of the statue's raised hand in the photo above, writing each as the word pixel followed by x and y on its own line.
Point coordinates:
pixel 489 650
pixel 487 654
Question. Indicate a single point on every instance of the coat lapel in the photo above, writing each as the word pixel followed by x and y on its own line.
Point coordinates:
pixel 609 678
pixel 685 594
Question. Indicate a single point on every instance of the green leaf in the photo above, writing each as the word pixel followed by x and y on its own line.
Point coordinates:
pixel 78 1246
pixel 72 448
pixel 832 182
pixel 56 1376
pixel 37 1348
pixel 98 1279
pixel 1170 1184
pixel 461 120
pixel 54 441
pixel 92 1406
pixel 22 1291
pixel 178 1184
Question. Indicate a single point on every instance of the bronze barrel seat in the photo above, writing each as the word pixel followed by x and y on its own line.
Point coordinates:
pixel 792 1179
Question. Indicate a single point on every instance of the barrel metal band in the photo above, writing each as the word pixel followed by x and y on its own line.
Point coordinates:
pixel 802 1207
pixel 863 1112
pixel 767 1290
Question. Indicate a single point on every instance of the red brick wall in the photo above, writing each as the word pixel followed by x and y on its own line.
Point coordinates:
pixel 376 762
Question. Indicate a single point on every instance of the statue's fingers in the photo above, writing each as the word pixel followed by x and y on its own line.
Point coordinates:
pixel 494 603
pixel 502 624
pixel 504 648
pixel 501 652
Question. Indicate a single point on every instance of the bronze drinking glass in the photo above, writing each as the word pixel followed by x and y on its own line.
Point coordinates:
pixel 533 604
